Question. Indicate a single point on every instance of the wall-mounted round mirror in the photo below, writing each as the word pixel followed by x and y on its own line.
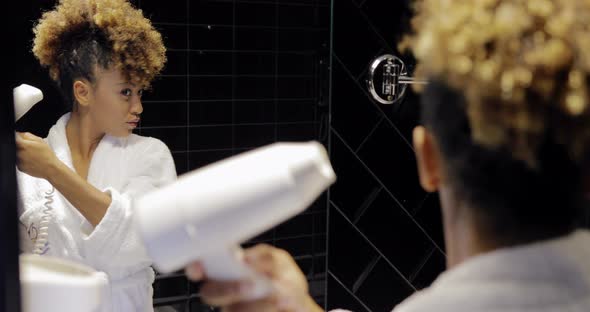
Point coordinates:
pixel 388 79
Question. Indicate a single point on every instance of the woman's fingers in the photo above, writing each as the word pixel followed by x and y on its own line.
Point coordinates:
pixel 22 139
pixel 195 272
pixel 263 305
pixel 290 289
pixel 218 293
pixel 19 139
pixel 266 259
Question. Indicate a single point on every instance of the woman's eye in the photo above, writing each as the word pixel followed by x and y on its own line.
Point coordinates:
pixel 126 92
pixel 140 92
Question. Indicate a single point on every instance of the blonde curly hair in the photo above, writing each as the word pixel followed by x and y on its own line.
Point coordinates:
pixel 77 35
pixel 522 66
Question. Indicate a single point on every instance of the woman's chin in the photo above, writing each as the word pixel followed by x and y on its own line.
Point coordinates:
pixel 122 133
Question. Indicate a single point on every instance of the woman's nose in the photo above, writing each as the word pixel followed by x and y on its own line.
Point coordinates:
pixel 136 106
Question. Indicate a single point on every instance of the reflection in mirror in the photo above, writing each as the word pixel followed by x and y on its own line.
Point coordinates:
pixel 127 109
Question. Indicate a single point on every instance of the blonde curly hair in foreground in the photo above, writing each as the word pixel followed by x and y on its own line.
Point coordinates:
pixel 136 48
pixel 522 66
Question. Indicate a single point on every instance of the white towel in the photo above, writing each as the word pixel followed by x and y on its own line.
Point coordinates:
pixel 125 168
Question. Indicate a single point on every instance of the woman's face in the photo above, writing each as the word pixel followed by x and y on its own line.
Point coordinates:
pixel 116 103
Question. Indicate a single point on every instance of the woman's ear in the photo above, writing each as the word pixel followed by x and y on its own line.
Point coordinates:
pixel 428 159
pixel 82 92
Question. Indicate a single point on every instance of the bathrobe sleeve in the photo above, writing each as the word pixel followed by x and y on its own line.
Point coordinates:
pixel 114 238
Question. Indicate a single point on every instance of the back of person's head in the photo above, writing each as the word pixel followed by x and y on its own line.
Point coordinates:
pixel 508 105
pixel 79 36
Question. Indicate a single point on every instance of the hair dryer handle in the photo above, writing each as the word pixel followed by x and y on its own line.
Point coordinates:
pixel 228 265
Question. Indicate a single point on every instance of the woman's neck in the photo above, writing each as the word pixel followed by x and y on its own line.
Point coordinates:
pixel 83 138
pixel 463 238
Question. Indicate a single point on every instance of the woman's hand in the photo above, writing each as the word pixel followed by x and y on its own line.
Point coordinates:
pixel 290 285
pixel 34 155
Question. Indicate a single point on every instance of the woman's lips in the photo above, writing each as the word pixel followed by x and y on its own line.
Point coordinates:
pixel 133 124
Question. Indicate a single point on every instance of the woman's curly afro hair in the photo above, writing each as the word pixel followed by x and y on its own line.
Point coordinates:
pixel 523 66
pixel 509 104
pixel 77 35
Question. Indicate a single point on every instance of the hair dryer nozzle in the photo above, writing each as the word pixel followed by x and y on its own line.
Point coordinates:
pixel 25 97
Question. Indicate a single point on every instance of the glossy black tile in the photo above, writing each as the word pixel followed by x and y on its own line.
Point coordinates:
pixel 297 111
pixel 249 136
pixel 355 42
pixel 157 114
pixel 339 297
pixel 247 38
pixel 210 88
pixel 248 63
pixel 297 132
pixel 211 12
pixel 202 62
pixel 354 184
pixel 320 243
pixel 320 219
pixel 210 137
pixel 348 250
pixel 297 247
pixel 255 14
pixel 170 287
pixel 181 162
pixel 429 216
pixel 391 158
pixel 298 16
pixel 200 159
pixel 296 64
pixel 353 114
pixel 261 111
pixel 176 64
pixel 174 35
pixel 305 264
pixel 175 11
pixel 383 288
pixel 303 40
pixel 255 87
pixel 210 112
pixel 432 268
pixel 301 224
pixel 210 37
pixel 296 87
pixel 395 233
pixel 167 89
pixel 381 14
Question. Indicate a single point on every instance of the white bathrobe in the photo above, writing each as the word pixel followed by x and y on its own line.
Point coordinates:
pixel 125 168
pixel 542 277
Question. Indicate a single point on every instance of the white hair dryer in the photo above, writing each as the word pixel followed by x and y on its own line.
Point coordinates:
pixel 25 97
pixel 207 213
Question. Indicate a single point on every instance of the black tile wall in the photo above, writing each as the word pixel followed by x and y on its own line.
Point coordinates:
pixel 349 251
pixel 346 297
pixel 383 287
pixel 385 233
pixel 240 74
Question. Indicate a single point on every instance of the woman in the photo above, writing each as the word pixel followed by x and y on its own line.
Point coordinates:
pixel 505 142
pixel 102 54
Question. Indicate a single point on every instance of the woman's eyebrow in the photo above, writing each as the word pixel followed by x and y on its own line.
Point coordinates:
pixel 126 84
